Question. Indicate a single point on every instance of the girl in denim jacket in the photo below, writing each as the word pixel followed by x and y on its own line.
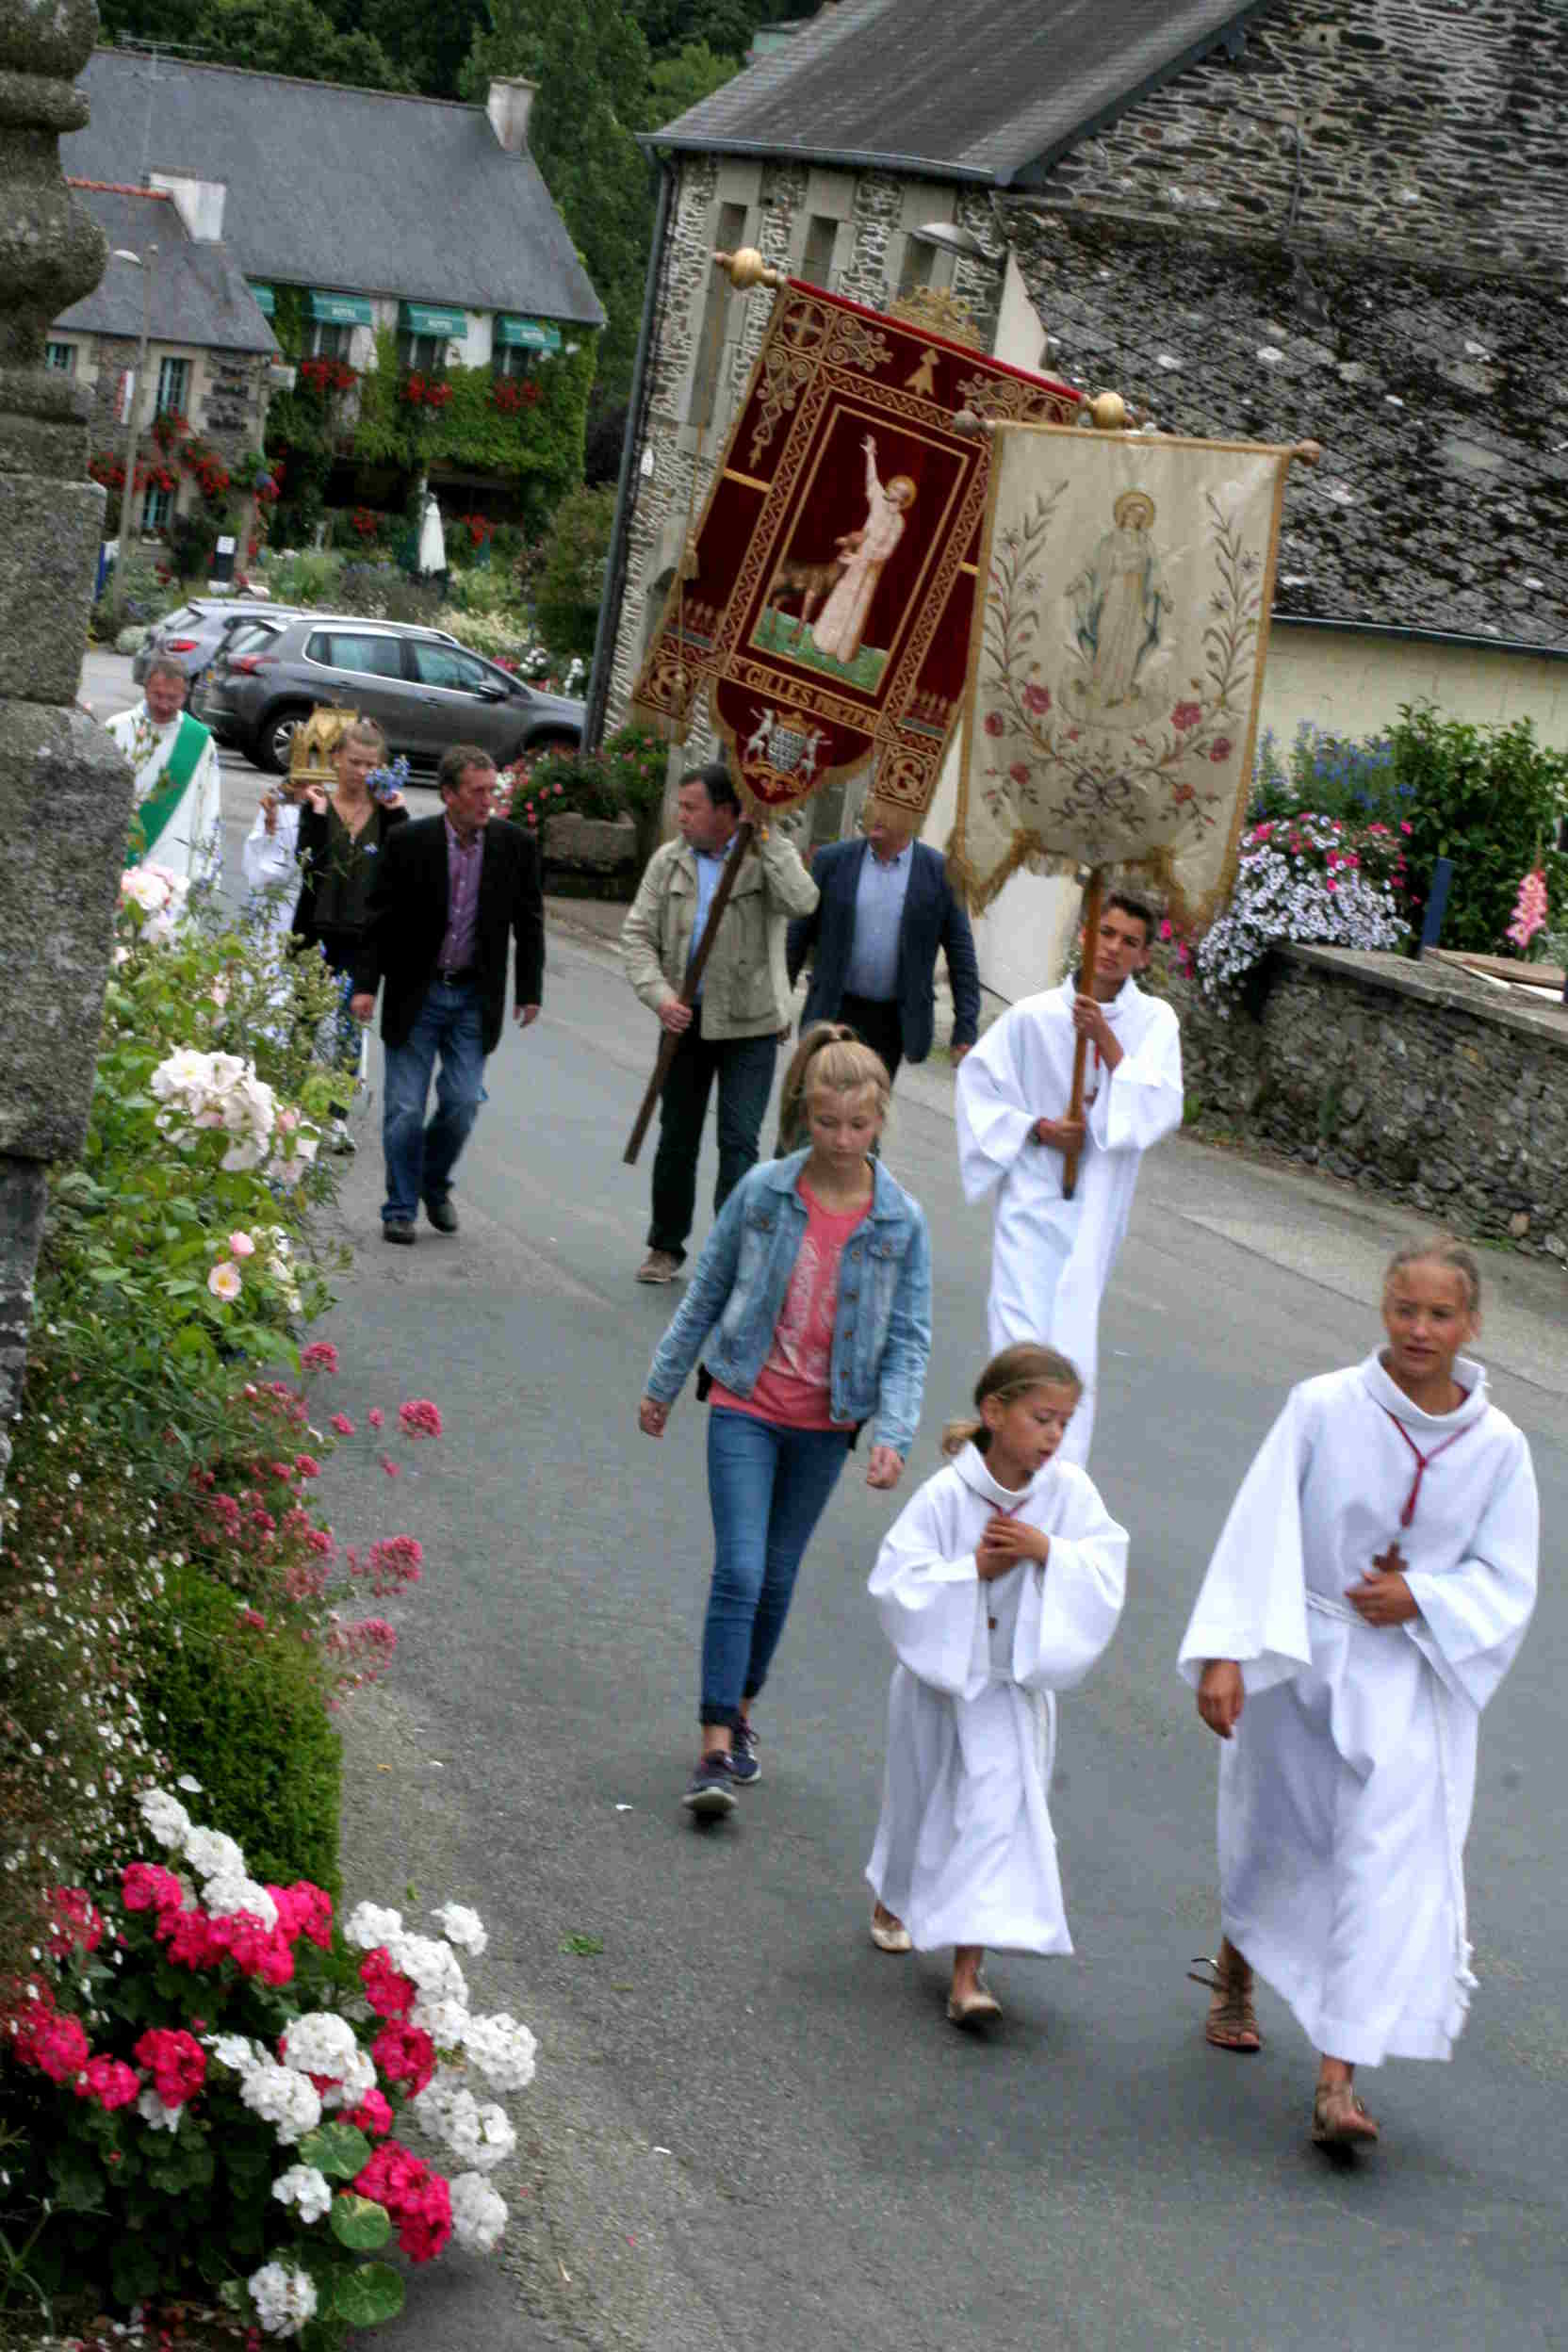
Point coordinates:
pixel 813 1300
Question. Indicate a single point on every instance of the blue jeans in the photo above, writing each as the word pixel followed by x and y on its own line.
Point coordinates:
pixel 421 1159
pixel 768 1487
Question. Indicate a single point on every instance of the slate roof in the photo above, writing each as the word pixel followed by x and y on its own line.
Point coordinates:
pixel 922 87
pixel 199 290
pixel 353 190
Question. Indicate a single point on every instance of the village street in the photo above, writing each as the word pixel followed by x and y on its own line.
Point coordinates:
pixel 747 2125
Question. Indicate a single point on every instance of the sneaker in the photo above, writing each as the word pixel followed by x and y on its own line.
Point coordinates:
pixel 710 1789
pixel 660 1266
pixel 745 1761
pixel 442 1214
pixel 399 1229
pixel 340 1141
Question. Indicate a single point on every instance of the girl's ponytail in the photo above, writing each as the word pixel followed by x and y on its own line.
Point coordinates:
pixel 1008 1376
pixel 855 1065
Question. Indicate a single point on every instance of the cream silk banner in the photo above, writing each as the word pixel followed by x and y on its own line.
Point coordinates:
pixel 1117 660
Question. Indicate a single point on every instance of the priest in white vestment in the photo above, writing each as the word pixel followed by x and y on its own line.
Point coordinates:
pixel 1051 1257
pixel 179 816
pixel 1370 1589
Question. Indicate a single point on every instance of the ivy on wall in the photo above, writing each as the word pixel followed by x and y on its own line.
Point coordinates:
pixel 533 445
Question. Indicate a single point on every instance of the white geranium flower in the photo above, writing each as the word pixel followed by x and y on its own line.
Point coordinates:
pixel 304 2187
pixel 462 1927
pixel 165 1816
pixel 228 1894
pixel 432 1966
pixel 503 2050
pixel 212 1854
pixel 320 2043
pixel 284 2296
pixel 481 2136
pixel 151 2108
pixel 479 2214
pixel 351 2085
pixel 286 2100
pixel 370 1924
pixel 445 2021
pixel 237 2052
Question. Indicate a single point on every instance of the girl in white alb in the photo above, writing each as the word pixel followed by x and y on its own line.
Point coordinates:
pixel 998 1585
pixel 1369 1591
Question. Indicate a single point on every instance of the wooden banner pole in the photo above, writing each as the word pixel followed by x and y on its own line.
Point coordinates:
pixel 670 1040
pixel 1092 898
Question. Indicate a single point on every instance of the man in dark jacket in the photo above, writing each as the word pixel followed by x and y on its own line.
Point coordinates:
pixel 447 890
pixel 885 907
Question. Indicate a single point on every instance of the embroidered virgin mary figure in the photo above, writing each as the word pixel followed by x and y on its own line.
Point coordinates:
pixel 1118 602
pixel 841 626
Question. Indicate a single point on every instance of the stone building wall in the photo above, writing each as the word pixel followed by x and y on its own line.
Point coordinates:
pixel 1409 1080
pixel 1355 230
pixel 226 404
pixel 778 202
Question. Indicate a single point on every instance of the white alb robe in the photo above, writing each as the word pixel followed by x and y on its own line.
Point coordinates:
pixel 1345 1794
pixel 192 844
pixel 1051 1258
pixel 271 865
pixel 965 1853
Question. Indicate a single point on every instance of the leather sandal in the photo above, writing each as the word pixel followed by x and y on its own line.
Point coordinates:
pixel 895 1938
pixel 1232 2022
pixel 981 2007
pixel 1339 2119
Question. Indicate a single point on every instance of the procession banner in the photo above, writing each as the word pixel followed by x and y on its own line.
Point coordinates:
pixel 827 616
pixel 1117 661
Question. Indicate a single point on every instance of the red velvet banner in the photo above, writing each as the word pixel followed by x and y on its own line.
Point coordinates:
pixel 828 615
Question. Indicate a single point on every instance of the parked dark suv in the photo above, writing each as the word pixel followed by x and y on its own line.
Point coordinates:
pixel 424 688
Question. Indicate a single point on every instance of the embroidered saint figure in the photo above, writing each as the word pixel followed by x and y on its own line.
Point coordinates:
pixel 841 626
pixel 1118 602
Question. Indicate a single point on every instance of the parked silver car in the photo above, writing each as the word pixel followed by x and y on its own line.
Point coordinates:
pixel 423 688
pixel 192 634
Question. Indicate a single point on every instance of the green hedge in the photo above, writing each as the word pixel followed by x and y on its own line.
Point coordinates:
pixel 245 1712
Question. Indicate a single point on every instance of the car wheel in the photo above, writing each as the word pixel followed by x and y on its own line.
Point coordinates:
pixel 275 737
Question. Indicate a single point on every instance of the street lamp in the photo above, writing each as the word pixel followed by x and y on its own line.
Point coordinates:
pixel 953 239
pixel 127 495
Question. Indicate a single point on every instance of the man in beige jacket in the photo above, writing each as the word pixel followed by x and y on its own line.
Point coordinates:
pixel 743 1005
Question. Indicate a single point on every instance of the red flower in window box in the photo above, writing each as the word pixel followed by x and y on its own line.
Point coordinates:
pixel 415 388
pixel 438 395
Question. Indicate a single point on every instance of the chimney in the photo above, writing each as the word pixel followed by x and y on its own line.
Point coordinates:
pixel 508 105
pixel 199 203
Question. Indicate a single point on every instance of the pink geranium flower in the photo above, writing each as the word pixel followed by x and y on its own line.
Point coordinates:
pixel 176 2062
pixel 148 1887
pixel 73 1921
pixel 110 2081
pixel 420 1418
pixel 389 1993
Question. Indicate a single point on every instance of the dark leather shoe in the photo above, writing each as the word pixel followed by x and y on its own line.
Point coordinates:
pixel 442 1215
pixel 398 1229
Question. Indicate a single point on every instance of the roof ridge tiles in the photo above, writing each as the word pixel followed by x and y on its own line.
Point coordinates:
pixel 156 55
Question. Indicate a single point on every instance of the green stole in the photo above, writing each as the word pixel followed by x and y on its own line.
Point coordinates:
pixel 152 814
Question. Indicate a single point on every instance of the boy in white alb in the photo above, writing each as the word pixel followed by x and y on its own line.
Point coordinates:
pixel 1051 1257
pixel 1370 1591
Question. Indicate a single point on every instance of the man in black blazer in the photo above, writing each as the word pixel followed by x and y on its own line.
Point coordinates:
pixel 448 890
pixel 885 906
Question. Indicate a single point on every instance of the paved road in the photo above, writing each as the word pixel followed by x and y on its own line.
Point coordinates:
pixel 748 2128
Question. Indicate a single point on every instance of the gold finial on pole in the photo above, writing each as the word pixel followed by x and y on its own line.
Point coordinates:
pixel 1108 411
pixel 1308 452
pixel 972 426
pixel 745 267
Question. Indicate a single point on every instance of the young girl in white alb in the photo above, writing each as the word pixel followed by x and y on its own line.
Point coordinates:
pixel 1000 1584
pixel 1370 1591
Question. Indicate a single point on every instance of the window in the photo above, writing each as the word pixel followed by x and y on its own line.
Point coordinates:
pixel 61 358
pixel 448 666
pixel 919 261
pixel 157 510
pixel 816 263
pixel 346 649
pixel 426 353
pixel 729 235
pixel 174 386
pixel 328 341
pixel 513 360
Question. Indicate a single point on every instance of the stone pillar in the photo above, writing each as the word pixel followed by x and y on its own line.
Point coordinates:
pixel 65 791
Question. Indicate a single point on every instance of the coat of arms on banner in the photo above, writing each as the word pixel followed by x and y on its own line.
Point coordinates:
pixel 838 553
pixel 1117 660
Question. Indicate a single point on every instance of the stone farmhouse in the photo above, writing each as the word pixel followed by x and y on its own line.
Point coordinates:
pixel 1344 220
pixel 210 351
pixel 351 215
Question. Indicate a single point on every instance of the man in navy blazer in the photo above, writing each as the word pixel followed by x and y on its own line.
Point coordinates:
pixel 451 894
pixel 885 906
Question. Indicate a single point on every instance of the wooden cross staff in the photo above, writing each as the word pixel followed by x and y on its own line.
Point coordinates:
pixel 670 1042
pixel 1092 900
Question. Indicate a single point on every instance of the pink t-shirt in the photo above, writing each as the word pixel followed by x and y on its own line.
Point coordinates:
pixel 794 1386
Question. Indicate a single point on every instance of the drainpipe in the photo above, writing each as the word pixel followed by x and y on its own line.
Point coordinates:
pixel 615 567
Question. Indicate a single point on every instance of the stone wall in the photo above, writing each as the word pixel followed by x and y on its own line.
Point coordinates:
pixel 1410 1080
pixel 1354 230
pixel 226 406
